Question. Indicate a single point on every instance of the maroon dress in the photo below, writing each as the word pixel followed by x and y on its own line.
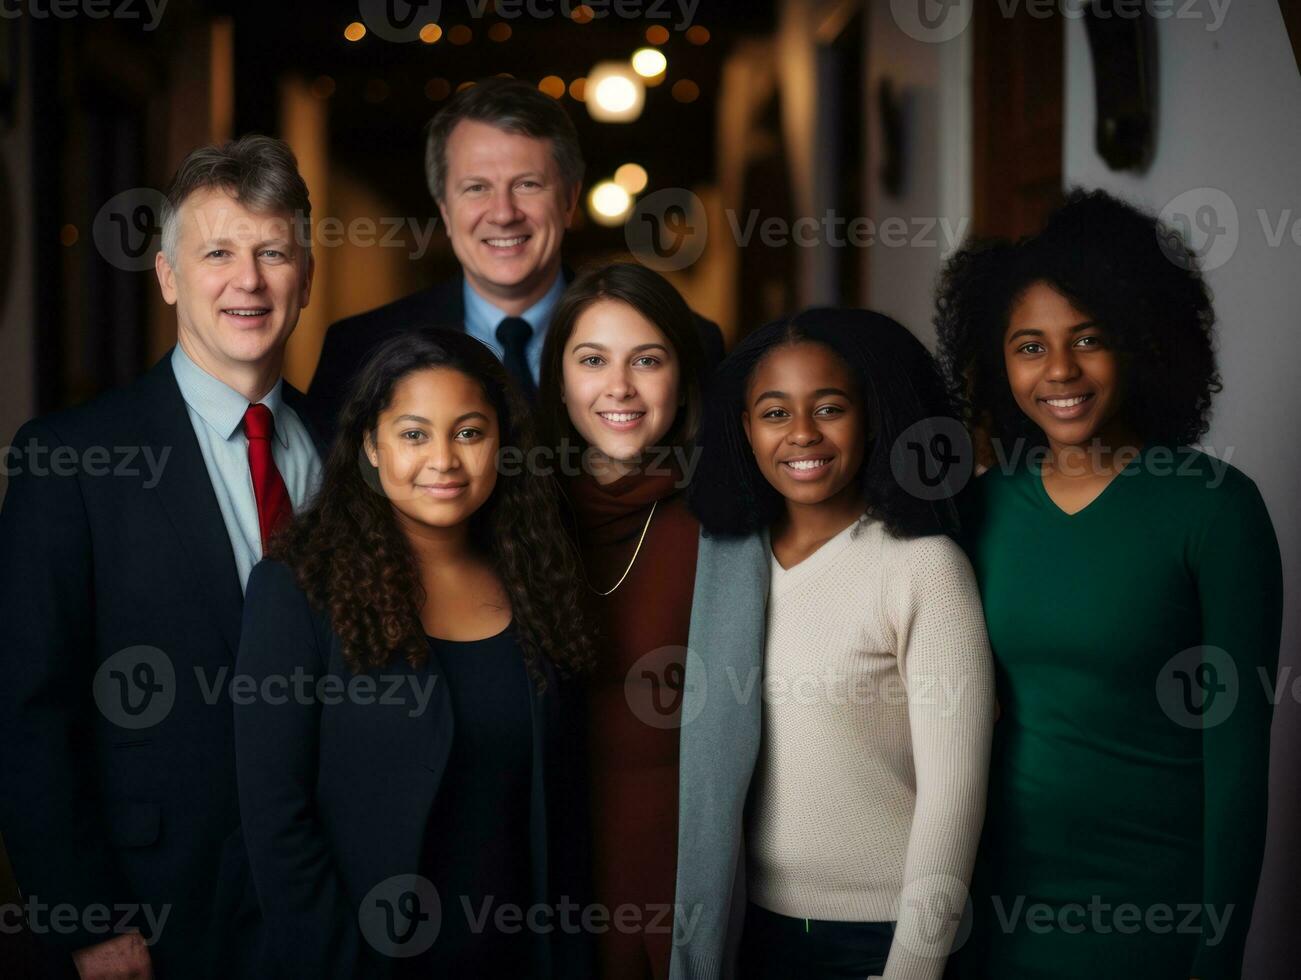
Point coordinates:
pixel 635 700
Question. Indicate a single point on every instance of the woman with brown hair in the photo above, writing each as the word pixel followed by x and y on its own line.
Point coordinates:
pixel 404 769
pixel 621 401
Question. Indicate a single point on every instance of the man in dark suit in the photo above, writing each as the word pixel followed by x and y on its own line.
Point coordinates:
pixel 505 169
pixel 128 531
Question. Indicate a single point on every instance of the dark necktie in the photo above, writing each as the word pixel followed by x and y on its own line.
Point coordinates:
pixel 274 507
pixel 513 334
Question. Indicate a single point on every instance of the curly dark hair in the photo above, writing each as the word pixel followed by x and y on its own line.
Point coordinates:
pixel 354 563
pixel 899 386
pixel 1121 267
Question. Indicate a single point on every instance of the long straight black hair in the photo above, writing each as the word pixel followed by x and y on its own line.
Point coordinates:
pixel 900 390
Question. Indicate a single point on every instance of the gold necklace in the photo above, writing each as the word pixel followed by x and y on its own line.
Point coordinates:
pixel 636 552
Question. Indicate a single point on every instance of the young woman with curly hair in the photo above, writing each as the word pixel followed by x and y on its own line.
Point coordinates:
pixel 840 694
pixel 408 746
pixel 1132 588
pixel 621 398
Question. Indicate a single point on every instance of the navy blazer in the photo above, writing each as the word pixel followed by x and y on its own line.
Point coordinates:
pixel 350 342
pixel 336 793
pixel 122 604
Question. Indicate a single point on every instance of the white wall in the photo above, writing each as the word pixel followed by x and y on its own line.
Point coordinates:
pixel 933 80
pixel 1228 120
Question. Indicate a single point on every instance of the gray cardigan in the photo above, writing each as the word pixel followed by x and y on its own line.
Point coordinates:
pixel 719 748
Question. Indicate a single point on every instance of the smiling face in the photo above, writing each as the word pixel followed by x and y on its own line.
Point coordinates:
pixel 435 447
pixel 621 382
pixel 238 285
pixel 505 208
pixel 1062 370
pixel 806 425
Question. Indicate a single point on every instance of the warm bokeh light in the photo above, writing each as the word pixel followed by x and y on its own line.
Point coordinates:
pixel 583 14
pixel 430 33
pixel 464 85
pixel 615 92
pixel 323 87
pixel 698 35
pixel 68 235
pixel 499 32
pixel 553 85
pixel 657 34
pixel 437 89
pixel 632 177
pixel 609 204
pixel 578 89
pixel 648 62
pixel 460 34
pixel 355 31
pixel 685 90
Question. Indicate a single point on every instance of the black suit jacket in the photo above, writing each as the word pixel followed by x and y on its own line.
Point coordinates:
pixel 120 785
pixel 337 791
pixel 350 342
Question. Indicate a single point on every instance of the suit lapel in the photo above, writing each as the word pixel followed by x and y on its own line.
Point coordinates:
pixel 299 402
pixel 185 493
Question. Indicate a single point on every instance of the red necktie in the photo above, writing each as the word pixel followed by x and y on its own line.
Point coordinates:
pixel 274 507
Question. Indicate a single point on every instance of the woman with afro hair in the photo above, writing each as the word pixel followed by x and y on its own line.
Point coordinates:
pixel 1132 588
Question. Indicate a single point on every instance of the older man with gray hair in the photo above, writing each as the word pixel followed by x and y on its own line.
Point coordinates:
pixel 122 590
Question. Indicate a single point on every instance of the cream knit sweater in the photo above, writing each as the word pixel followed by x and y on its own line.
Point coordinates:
pixel 878 708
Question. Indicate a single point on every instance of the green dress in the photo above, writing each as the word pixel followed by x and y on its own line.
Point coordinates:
pixel 1135 643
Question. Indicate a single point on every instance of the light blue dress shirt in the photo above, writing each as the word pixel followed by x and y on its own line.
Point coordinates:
pixel 482 318
pixel 217 415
